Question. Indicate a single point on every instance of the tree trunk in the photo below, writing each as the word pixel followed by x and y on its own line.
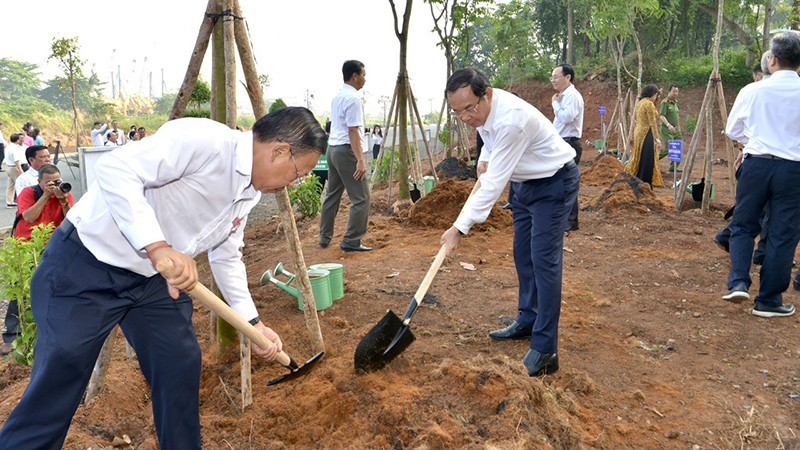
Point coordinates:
pixel 767 20
pixel 794 16
pixel 402 99
pixel 570 34
pixel 230 65
pixel 739 32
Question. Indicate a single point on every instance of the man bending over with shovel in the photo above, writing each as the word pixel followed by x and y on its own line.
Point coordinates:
pixel 184 191
pixel 526 149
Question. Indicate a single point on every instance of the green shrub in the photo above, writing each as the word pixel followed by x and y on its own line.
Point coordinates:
pixel 18 260
pixel 306 196
pixel 203 113
pixel 690 123
pixel 383 165
pixel 682 71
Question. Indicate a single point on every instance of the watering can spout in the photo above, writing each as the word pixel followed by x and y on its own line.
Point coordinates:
pixel 269 277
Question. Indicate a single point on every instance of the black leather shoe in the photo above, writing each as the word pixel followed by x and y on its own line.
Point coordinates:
pixel 360 248
pixel 513 331
pixel 785 310
pixel 324 244
pixel 539 364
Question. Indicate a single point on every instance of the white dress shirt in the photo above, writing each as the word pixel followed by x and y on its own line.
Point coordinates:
pixel 120 135
pixel 27 179
pixel 569 113
pixel 766 117
pixel 346 111
pixel 98 134
pixel 14 153
pixel 522 145
pixel 188 184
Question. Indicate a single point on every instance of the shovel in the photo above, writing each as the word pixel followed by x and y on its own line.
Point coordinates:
pixel 214 303
pixel 391 335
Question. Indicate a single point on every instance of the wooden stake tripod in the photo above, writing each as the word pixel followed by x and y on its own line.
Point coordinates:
pixel 415 164
pixel 713 88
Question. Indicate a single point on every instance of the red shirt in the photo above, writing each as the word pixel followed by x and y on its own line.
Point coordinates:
pixel 52 212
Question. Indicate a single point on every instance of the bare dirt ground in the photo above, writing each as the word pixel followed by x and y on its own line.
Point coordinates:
pixel 651 357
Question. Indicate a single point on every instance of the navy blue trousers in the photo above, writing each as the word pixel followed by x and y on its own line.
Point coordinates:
pixel 76 302
pixel 772 184
pixel 541 208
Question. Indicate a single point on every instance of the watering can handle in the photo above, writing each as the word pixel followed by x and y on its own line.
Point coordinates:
pixel 214 303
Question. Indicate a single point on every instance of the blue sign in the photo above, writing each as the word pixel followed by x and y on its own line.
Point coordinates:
pixel 675 151
pixel 601 110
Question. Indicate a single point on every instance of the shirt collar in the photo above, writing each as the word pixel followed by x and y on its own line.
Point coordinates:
pixel 244 164
pixel 347 87
pixel 784 74
pixel 488 124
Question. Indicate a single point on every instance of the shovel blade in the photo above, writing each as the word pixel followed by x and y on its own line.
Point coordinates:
pixel 387 339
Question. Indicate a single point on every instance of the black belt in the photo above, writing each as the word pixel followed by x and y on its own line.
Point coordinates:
pixel 566 167
pixel 570 139
pixel 69 230
pixel 772 157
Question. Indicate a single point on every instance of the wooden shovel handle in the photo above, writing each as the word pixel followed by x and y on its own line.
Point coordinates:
pixel 437 262
pixel 214 303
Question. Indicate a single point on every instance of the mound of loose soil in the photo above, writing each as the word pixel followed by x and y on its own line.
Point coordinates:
pixel 440 208
pixel 603 172
pixel 626 192
pixel 453 167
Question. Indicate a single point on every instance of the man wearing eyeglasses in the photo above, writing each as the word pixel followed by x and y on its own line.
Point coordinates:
pixel 526 149
pixel 347 169
pixel 183 191
pixel 568 111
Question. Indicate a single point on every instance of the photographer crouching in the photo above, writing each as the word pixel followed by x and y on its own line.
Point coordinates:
pixel 43 203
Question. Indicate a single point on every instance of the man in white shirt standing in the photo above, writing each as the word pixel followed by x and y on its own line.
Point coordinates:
pixel 98 133
pixel 568 111
pixel 185 190
pixel 766 120
pixel 120 139
pixel 37 156
pixel 15 156
pixel 347 169
pixel 526 149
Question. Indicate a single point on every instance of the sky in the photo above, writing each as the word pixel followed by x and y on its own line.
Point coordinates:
pixel 300 44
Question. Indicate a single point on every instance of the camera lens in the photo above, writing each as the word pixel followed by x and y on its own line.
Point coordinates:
pixel 65 187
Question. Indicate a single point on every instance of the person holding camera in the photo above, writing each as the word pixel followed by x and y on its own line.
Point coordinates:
pixel 37 156
pixel 45 202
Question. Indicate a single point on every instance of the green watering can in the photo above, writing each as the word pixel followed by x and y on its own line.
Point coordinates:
pixel 320 285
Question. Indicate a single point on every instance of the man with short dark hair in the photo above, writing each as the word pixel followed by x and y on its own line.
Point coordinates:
pixel 766 120
pixel 37 156
pixel 568 120
pixel 98 133
pixel 184 191
pixel 669 116
pixel 526 148
pixel 347 169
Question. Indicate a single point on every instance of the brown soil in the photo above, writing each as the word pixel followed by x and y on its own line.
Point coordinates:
pixel 651 357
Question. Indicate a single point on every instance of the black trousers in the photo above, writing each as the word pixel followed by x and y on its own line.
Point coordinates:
pixel 575 143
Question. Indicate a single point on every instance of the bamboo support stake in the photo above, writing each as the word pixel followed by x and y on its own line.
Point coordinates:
pixel 230 64
pixel 689 164
pixel 388 126
pixel 284 205
pixel 245 347
pixel 196 60
pixel 424 138
pixel 723 112
pixel 415 163
pixel 100 367
pixel 247 60
pixel 709 158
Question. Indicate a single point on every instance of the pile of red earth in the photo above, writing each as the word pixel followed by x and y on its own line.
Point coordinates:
pixel 440 208
pixel 626 192
pixel 603 172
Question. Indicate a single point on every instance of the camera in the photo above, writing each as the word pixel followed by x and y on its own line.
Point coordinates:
pixel 64 187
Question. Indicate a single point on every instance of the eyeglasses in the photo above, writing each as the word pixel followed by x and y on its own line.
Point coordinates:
pixel 554 78
pixel 299 177
pixel 469 110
